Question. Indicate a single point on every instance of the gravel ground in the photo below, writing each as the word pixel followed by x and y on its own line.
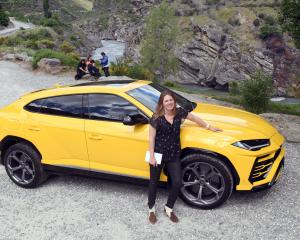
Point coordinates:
pixel 71 207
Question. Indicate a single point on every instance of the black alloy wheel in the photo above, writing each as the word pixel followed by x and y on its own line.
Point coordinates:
pixel 206 181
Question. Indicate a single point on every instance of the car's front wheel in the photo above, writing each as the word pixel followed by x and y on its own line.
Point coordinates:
pixel 23 165
pixel 206 181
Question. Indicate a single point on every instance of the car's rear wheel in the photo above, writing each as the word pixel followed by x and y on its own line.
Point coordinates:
pixel 23 165
pixel 206 181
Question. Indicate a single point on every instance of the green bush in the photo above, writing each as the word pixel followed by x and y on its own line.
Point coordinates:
pixel 138 72
pixel 2 40
pixel 30 44
pixel 169 84
pixel 45 43
pixel 66 47
pixel 234 89
pixel 50 22
pixel 120 67
pixel 269 30
pixel 256 92
pixel 4 20
pixel 269 20
pixel 65 59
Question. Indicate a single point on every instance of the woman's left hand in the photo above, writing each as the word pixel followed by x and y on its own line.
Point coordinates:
pixel 215 129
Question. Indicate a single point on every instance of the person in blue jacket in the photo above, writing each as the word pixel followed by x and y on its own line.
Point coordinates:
pixel 104 64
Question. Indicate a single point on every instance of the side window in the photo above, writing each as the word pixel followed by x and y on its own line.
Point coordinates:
pixel 68 106
pixel 109 107
pixel 34 106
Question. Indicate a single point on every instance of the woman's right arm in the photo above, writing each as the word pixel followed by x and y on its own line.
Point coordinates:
pixel 152 133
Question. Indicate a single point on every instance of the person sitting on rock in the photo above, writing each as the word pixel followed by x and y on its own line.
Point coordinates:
pixel 104 64
pixel 81 70
pixel 93 70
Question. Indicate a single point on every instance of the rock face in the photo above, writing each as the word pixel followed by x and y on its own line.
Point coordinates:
pixel 51 65
pixel 212 57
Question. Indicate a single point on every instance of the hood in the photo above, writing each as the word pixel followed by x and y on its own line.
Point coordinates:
pixel 235 123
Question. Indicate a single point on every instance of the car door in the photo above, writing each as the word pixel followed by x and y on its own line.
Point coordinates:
pixel 112 146
pixel 55 125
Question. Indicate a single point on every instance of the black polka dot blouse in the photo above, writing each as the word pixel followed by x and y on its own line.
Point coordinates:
pixel 167 139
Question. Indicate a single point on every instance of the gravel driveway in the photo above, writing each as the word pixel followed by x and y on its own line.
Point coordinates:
pixel 71 207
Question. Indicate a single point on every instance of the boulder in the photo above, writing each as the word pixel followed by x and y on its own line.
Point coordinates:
pixel 23 57
pixel 9 57
pixel 51 65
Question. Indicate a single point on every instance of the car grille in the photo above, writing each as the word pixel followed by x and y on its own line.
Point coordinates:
pixel 262 166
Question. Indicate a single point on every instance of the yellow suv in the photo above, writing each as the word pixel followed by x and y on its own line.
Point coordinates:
pixel 101 129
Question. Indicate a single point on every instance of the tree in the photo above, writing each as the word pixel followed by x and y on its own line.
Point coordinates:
pixel 46 7
pixel 289 17
pixel 160 41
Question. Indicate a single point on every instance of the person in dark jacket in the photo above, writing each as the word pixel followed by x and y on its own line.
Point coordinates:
pixel 93 70
pixel 81 70
pixel 104 64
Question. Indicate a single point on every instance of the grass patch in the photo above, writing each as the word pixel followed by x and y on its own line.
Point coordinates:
pixel 86 4
pixel 66 59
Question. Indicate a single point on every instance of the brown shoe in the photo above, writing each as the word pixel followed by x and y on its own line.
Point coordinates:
pixel 152 217
pixel 172 217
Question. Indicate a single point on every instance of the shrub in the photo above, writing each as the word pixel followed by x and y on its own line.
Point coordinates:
pixel 74 55
pixel 2 40
pixel 256 22
pixel 66 47
pixel 211 2
pixel 261 15
pixel 120 67
pixel 256 92
pixel 65 59
pixel 4 20
pixel 50 22
pixel 138 72
pixel 45 43
pixel 268 30
pixel 169 84
pixel 234 89
pixel 270 20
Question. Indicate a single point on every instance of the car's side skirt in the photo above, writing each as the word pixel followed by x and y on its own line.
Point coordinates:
pixel 72 170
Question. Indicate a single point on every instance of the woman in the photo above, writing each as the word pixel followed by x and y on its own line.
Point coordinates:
pixel 164 138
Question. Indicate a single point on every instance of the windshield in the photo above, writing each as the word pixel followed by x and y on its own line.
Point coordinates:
pixel 148 95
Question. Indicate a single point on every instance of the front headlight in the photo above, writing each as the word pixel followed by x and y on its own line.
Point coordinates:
pixel 252 145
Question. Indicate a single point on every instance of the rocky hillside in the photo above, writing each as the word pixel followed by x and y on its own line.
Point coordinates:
pixel 221 39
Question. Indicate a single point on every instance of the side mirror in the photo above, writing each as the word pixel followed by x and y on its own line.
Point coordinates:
pixel 134 119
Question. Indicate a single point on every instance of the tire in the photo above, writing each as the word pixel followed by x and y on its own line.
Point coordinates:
pixel 206 181
pixel 23 165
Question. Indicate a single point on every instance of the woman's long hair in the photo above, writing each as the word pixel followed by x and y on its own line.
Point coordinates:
pixel 160 107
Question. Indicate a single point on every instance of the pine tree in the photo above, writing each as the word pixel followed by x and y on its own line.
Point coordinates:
pixel 160 41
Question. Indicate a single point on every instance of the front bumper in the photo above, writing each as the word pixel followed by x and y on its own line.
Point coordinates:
pixel 260 169
pixel 274 180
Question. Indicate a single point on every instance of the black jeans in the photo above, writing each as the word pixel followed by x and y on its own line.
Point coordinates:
pixel 174 181
pixel 106 71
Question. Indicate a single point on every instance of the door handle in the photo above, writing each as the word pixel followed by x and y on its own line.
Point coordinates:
pixel 95 137
pixel 34 128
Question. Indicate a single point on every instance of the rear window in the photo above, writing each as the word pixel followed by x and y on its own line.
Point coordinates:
pixel 68 106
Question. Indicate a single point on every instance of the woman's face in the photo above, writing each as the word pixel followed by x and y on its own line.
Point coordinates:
pixel 168 103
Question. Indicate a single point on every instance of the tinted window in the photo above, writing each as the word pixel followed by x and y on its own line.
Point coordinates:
pixel 109 107
pixel 149 95
pixel 34 106
pixel 69 106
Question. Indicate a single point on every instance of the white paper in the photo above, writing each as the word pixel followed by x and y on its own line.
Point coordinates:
pixel 157 156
